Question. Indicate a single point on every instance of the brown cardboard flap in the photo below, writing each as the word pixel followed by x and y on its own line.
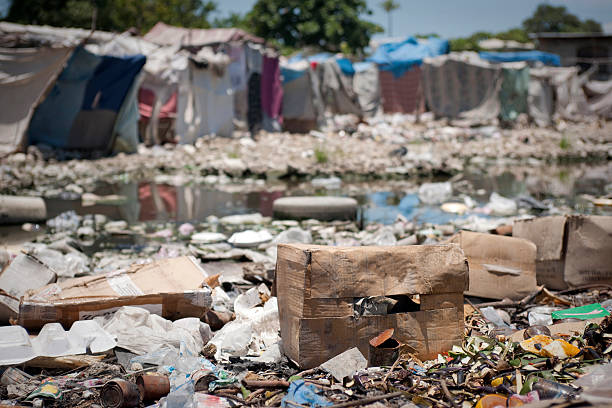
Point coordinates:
pixel 500 267
pixel 546 232
pixel 344 272
pixel 427 332
pixel 172 288
pixel 589 250
pixel 163 276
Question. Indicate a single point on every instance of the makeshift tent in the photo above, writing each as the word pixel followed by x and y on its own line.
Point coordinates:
pixel 205 101
pixel 402 56
pixel 337 89
pixel 83 106
pixel 462 85
pixel 513 93
pixel 599 95
pixel 541 94
pixel 25 74
pixel 400 76
pixel 164 34
pixel 530 56
pixel 302 103
pixel 367 87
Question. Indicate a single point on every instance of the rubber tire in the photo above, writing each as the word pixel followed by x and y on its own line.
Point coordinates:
pixel 315 207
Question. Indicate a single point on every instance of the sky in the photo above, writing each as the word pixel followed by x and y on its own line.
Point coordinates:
pixel 450 18
pixel 460 18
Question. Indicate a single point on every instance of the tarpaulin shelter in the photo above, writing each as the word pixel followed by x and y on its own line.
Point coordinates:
pixel 462 85
pixel 164 34
pixel 546 58
pixel 61 95
pixel 302 103
pixel 82 108
pixel 400 75
pixel 253 69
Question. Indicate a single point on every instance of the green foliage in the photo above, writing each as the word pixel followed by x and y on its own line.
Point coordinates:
pixel 321 155
pixel 564 144
pixel 320 23
pixel 389 5
pixel 546 18
pixel 233 20
pixel 549 18
pixel 113 15
pixel 514 34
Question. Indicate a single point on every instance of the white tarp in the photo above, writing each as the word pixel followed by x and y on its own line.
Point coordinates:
pixel 25 74
pixel 205 98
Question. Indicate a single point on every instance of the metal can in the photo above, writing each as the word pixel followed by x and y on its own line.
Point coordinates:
pixel 119 393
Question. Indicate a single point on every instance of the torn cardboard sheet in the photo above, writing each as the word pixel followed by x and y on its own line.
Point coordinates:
pixel 22 274
pixel 500 267
pixel 319 287
pixel 173 288
pixel 571 250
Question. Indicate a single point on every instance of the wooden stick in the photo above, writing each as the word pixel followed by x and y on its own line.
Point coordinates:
pixel 266 383
pixel 367 400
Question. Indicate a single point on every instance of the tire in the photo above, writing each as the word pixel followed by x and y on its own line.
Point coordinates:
pixel 319 208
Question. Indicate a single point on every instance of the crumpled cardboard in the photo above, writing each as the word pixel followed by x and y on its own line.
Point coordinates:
pixel 23 273
pixel 317 287
pixel 173 288
pixel 500 267
pixel 572 250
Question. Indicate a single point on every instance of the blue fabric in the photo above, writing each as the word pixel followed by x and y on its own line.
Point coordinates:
pixel 53 118
pixel 362 66
pixel 304 393
pixel 544 57
pixel 111 82
pixel 402 56
pixel 321 57
pixel 289 74
pixel 87 78
pixel 346 66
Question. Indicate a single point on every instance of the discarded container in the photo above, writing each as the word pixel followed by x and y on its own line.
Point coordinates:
pixel 319 208
pixel 500 266
pixel 14 375
pixel 572 250
pixel 153 387
pixel 119 393
pixel 384 349
pixel 172 288
pixel 317 287
pixel 435 193
pixel 547 389
pixel 19 209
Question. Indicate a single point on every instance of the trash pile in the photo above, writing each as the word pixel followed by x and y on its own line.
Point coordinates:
pixel 377 150
pixel 250 310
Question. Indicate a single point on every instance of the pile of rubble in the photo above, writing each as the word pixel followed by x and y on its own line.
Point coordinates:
pixel 249 310
pixel 385 149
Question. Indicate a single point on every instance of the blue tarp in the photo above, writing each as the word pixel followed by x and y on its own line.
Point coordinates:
pixel 88 83
pixel 346 66
pixel 400 57
pixel 544 57
pixel 289 74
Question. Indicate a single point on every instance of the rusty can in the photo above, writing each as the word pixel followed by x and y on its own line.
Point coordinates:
pixel 384 349
pixel 152 387
pixel 119 393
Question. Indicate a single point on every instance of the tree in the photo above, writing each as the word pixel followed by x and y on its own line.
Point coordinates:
pixel 557 19
pixel 233 20
pixel 389 6
pixel 113 15
pixel 328 25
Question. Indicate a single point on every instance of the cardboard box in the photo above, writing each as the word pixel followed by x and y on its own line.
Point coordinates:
pixel 318 286
pixel 572 250
pixel 173 288
pixel 500 267
pixel 22 274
